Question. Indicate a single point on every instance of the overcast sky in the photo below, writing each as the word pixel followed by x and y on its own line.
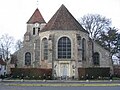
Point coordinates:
pixel 15 13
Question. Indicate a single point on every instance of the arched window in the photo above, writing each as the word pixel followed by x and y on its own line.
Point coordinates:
pixel 27 58
pixel 64 48
pixel 83 49
pixel 45 48
pixel 96 58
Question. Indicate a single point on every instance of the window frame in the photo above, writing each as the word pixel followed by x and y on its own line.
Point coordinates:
pixel 83 49
pixel 64 50
pixel 96 59
pixel 28 56
pixel 33 30
pixel 45 48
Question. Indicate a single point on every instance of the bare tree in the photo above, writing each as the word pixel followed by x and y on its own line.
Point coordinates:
pixel 19 44
pixel 118 48
pixel 94 24
pixel 6 43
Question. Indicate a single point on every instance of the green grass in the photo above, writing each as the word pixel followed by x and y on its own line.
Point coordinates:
pixel 78 85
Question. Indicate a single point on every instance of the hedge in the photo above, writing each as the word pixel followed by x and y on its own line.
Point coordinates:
pixel 93 73
pixel 31 73
pixel 117 70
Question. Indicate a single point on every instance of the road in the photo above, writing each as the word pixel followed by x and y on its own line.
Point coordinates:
pixel 2 87
pixel 59 85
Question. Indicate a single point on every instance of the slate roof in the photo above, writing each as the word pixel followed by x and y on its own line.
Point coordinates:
pixel 36 18
pixel 63 20
pixel 2 62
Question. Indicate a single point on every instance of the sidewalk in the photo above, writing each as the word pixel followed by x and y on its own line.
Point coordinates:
pixel 64 81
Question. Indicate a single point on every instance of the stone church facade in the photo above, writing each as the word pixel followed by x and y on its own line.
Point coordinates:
pixel 61 44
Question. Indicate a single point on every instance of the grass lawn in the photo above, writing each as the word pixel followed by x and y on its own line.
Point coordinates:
pixel 65 84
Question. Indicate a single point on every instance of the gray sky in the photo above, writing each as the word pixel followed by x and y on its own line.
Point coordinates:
pixel 15 13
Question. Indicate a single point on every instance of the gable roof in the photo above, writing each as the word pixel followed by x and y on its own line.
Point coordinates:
pixel 36 18
pixel 63 20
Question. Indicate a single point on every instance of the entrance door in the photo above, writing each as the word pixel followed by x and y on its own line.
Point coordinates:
pixel 64 71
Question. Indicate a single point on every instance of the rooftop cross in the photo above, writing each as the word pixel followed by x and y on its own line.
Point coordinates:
pixel 37 3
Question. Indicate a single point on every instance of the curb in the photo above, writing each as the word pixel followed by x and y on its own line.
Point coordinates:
pixel 65 81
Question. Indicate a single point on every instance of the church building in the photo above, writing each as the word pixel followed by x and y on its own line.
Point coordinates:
pixel 61 44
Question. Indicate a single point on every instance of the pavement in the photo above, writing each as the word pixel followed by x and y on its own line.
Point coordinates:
pixel 60 82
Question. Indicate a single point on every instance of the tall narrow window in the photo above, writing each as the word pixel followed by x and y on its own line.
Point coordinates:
pixel 64 48
pixel 78 41
pixel 27 58
pixel 33 31
pixel 96 58
pixel 45 48
pixel 83 49
pixel 38 30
